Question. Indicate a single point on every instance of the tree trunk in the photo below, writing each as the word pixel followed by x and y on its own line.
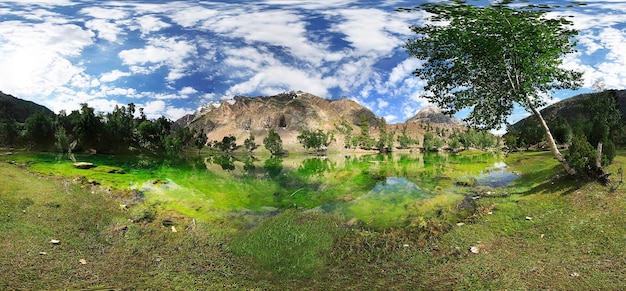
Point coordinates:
pixel 551 143
pixel 599 155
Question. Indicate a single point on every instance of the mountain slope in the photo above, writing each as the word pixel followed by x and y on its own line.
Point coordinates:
pixel 573 109
pixel 18 109
pixel 287 113
pixel 434 114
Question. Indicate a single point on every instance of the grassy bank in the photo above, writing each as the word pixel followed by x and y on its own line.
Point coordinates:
pixel 543 232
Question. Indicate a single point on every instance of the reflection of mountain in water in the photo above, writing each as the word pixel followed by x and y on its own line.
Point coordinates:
pixel 497 177
pixel 394 186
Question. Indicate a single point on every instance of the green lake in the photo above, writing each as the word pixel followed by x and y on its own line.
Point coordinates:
pixel 373 190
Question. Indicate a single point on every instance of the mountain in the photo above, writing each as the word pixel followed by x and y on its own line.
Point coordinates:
pixel 18 109
pixel 287 113
pixel 434 115
pixel 573 109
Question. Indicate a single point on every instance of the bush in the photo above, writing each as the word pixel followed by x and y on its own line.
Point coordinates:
pixel 581 155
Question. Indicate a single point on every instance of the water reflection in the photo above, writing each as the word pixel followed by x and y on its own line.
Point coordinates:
pixel 497 176
pixel 273 166
pixel 378 190
pixel 315 166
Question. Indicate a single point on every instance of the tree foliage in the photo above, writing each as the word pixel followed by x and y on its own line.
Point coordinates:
pixel 346 129
pixel 491 58
pixel 273 143
pixel 404 140
pixel 317 140
pixel 432 143
pixel 250 144
pixel 119 131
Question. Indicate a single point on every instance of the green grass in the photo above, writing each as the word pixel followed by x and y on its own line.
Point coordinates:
pixel 291 245
pixel 573 239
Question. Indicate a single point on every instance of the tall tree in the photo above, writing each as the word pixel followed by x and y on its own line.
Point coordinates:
pixel 273 143
pixel 315 139
pixel 39 130
pixel 492 57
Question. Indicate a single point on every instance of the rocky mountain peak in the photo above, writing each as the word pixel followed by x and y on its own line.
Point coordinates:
pixel 289 112
pixel 433 114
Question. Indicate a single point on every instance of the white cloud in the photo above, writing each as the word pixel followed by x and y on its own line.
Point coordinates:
pixel 105 29
pixel 187 91
pixel 48 3
pixel 158 108
pixel 276 79
pixel 151 23
pixel 382 104
pixel 154 109
pixel 192 15
pixel 312 5
pixel 161 52
pixel 371 30
pixel 283 28
pixel 391 118
pixel 403 71
pixel 105 13
pixel 40 56
pixel 113 76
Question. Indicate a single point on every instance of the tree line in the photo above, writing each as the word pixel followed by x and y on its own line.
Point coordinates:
pixel 119 131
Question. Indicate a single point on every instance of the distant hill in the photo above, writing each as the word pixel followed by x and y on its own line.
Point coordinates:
pixel 287 113
pixel 572 108
pixel 18 109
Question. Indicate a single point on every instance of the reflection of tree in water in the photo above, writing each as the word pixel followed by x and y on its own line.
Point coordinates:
pixel 227 162
pixel 248 164
pixel 315 166
pixel 432 159
pixel 273 166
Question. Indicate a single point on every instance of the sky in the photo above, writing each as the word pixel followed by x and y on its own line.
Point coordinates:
pixel 173 57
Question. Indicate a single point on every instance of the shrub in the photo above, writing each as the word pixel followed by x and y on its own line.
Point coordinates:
pixel 581 155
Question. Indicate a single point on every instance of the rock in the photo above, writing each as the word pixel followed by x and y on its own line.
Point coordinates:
pixel 116 171
pixel 82 261
pixel 347 198
pixel 83 165
pixel 467 203
pixel 353 221
pixel 466 182
pixel 174 229
pixel 474 250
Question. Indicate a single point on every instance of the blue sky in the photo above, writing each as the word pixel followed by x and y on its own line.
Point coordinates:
pixel 173 57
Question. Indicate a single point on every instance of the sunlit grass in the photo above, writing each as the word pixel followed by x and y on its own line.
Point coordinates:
pixel 290 245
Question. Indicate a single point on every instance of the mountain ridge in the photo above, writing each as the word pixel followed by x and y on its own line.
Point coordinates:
pixel 18 109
